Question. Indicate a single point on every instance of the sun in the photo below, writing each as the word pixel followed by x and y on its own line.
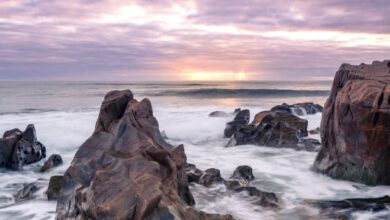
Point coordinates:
pixel 216 76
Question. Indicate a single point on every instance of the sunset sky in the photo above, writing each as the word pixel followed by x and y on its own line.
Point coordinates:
pixel 189 40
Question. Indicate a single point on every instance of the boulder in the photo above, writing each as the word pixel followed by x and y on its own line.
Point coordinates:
pixel 26 192
pixel 240 120
pixel 55 185
pixel 126 170
pixel 54 160
pixel 243 172
pixel 20 148
pixel 299 108
pixel 272 128
pixel 355 128
pixel 219 114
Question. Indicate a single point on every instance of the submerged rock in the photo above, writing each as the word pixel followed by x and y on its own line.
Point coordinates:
pixel 20 148
pixel 272 128
pixel 240 120
pixel 355 125
pixel 55 185
pixel 219 114
pixel 26 192
pixel 126 170
pixel 299 108
pixel 315 131
pixel 54 160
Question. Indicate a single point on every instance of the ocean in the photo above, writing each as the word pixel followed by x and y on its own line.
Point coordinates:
pixel 64 114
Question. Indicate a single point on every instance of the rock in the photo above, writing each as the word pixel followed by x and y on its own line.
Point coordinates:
pixel 126 170
pixel 315 131
pixel 55 185
pixel 20 148
pixel 299 108
pixel 54 160
pixel 346 208
pixel 210 176
pixel 27 192
pixel 309 144
pixel 272 128
pixel 219 114
pixel 241 119
pixel 355 126
pixel 243 172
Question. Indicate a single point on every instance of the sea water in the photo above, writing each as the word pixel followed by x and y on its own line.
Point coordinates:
pixel 64 114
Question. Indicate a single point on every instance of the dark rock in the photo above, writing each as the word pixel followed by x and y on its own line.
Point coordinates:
pixel 265 199
pixel 20 148
pixel 126 170
pixel 299 108
pixel 55 185
pixel 54 160
pixel 346 208
pixel 242 119
pixel 272 128
pixel 236 111
pixel 309 144
pixel 193 173
pixel 210 176
pixel 315 131
pixel 355 128
pixel 27 192
pixel 220 114
pixel 243 172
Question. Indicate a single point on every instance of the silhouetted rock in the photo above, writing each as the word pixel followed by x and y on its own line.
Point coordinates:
pixel 54 160
pixel 299 108
pixel 126 170
pixel 243 172
pixel 272 128
pixel 219 114
pixel 55 185
pixel 20 148
pixel 27 192
pixel 240 120
pixel 355 128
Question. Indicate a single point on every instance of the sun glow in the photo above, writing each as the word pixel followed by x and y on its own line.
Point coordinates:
pixel 216 76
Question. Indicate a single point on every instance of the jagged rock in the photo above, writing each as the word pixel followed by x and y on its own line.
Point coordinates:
pixel 219 114
pixel 126 170
pixel 238 182
pixel 315 131
pixel 272 128
pixel 241 119
pixel 54 160
pixel 355 128
pixel 299 108
pixel 346 208
pixel 27 192
pixel 20 148
pixel 55 184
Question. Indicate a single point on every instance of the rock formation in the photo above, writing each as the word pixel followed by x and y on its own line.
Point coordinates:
pixel 20 148
pixel 355 128
pixel 54 160
pixel 240 120
pixel 126 170
pixel 299 108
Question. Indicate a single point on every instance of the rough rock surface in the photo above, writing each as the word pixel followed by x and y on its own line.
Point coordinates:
pixel 240 120
pixel 355 128
pixel 54 160
pixel 126 170
pixel 26 192
pixel 55 185
pixel 299 108
pixel 238 182
pixel 20 148
pixel 272 128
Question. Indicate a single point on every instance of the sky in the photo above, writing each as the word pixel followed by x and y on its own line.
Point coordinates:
pixel 141 40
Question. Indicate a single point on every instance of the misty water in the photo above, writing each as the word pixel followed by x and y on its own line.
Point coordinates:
pixel 64 114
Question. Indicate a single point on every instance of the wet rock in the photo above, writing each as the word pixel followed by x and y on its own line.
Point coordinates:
pixel 55 185
pixel 243 172
pixel 315 131
pixel 54 160
pixel 240 120
pixel 210 176
pixel 219 114
pixel 299 108
pixel 272 128
pixel 309 144
pixel 20 148
pixel 126 170
pixel 346 208
pixel 355 128
pixel 27 192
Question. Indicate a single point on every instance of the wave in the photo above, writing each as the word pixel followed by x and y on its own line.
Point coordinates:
pixel 242 93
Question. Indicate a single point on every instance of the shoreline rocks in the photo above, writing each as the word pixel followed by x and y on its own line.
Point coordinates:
pixel 355 128
pixel 240 120
pixel 126 170
pixel 306 108
pixel 54 160
pixel 19 148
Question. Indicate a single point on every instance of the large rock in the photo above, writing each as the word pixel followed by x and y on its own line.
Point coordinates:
pixel 299 108
pixel 355 128
pixel 126 170
pixel 240 120
pixel 272 128
pixel 54 188
pixel 54 160
pixel 20 148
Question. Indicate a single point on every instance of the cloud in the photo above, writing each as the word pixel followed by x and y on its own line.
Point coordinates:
pixel 165 40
